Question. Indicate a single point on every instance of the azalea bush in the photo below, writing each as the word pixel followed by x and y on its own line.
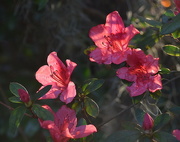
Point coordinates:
pixel 68 106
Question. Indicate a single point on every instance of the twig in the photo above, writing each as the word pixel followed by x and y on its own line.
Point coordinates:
pixel 11 108
pixel 171 80
pixel 117 115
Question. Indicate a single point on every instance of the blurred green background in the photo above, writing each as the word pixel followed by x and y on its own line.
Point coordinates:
pixel 31 29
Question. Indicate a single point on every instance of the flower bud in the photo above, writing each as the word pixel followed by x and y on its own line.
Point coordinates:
pixel 176 133
pixel 24 96
pixel 148 122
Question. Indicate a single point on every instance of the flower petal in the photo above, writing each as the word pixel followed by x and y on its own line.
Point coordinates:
pixel 100 55
pixel 151 64
pixel 122 73
pixel 53 93
pixel 97 34
pixel 84 130
pixel 114 22
pixel 55 62
pixel 43 75
pixel 155 83
pixel 176 133
pixel 70 66
pixel 136 89
pixel 69 93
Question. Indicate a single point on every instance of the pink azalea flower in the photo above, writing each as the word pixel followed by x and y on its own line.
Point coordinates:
pixel 148 122
pixel 111 40
pixel 176 133
pixel 142 71
pixel 24 95
pixel 57 75
pixel 177 3
pixel 64 127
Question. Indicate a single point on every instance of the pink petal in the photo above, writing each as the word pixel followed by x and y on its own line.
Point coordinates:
pixel 101 55
pixel 152 64
pixel 123 73
pixel 84 130
pixel 62 114
pixel 43 75
pixel 70 66
pixel 176 133
pixel 114 22
pixel 69 93
pixel 130 32
pixel 53 93
pixel 155 83
pixel 97 34
pixel 136 90
pixel 121 56
pixel 148 122
pixel 55 62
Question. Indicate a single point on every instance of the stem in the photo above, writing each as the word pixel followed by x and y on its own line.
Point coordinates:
pixel 117 114
pixel 11 108
pixel 171 80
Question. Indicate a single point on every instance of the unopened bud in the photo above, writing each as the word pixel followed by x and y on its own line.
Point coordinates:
pixel 148 122
pixel 176 133
pixel 24 96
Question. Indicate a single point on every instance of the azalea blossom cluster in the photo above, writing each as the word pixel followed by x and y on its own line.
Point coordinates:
pixel 112 39
pixel 58 76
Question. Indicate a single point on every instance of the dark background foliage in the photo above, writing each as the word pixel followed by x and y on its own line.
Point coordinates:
pixel 31 29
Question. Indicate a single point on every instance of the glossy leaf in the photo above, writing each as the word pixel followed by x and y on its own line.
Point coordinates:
pixel 16 118
pixel 124 136
pixel 14 86
pixel 15 99
pixel 76 106
pixel 156 95
pixel 145 139
pixel 171 26
pixel 41 92
pixel 176 34
pixel 165 137
pixel 91 107
pixel 92 85
pixel 150 22
pixel 175 110
pixel 139 114
pixel 137 99
pixel 172 50
pixel 131 126
pixel 164 71
pixel 161 121
pixel 42 112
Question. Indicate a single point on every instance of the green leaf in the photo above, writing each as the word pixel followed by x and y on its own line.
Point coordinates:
pixel 42 112
pixel 15 99
pixel 175 110
pixel 169 13
pixel 82 121
pixel 137 99
pixel 139 113
pixel 124 136
pixel 172 50
pixel 16 118
pixel 14 86
pixel 76 106
pixel 42 92
pixel 164 137
pixel 156 95
pixel 161 120
pixel 164 71
pixel 130 126
pixel 171 26
pixel 150 22
pixel 176 34
pixel 91 107
pixel 92 85
pixel 89 49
